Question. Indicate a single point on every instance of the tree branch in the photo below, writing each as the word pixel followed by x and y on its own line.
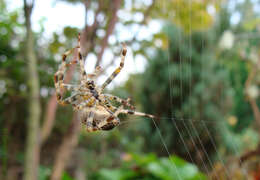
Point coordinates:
pixel 86 5
pixel 143 22
pixel 250 154
pixel 111 25
pixel 89 32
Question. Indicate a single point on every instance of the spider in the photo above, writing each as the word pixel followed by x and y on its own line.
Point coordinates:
pixel 95 107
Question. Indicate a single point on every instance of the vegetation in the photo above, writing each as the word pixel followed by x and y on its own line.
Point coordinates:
pixel 150 167
pixel 200 77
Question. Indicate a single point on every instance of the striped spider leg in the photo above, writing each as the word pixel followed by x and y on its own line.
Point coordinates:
pixel 96 73
pixel 112 121
pixel 60 74
pixel 83 74
pixel 119 100
pixel 117 71
pixel 59 81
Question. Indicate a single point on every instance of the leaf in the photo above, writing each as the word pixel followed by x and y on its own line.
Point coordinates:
pixel 66 176
pixel 115 174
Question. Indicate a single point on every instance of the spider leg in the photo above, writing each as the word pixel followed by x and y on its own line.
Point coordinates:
pixel 119 100
pixel 111 121
pixel 88 113
pixel 89 121
pixel 124 111
pixel 70 87
pixel 96 73
pixel 102 101
pixel 59 77
pixel 117 71
pixel 71 99
pixel 81 61
pixel 88 102
pixel 109 108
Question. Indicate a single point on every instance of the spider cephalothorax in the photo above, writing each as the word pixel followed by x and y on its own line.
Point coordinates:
pixel 95 107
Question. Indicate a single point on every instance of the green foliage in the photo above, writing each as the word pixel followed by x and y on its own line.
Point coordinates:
pixel 150 167
pixel 189 15
pixel 238 74
pixel 240 59
pixel 187 84
pixel 45 172
pixel 12 80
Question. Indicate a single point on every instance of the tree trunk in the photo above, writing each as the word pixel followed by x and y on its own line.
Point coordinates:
pixel 51 108
pixel 32 144
pixel 69 142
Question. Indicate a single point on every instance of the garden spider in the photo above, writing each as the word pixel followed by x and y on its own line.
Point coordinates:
pixel 96 110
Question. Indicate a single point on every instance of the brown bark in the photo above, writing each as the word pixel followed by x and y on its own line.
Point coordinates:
pixel 32 144
pixel 250 154
pixel 251 100
pixel 110 28
pixel 69 142
pixel 51 108
pixel 255 109
pixel 49 118
pixel 89 32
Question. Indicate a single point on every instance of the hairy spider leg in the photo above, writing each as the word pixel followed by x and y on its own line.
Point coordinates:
pixel 111 121
pixel 102 125
pixel 89 102
pixel 119 100
pixel 59 78
pixel 109 108
pixel 96 73
pixel 124 111
pixel 71 100
pixel 103 101
pixel 70 87
pixel 117 71
pixel 81 61
pixel 114 111
pixel 89 121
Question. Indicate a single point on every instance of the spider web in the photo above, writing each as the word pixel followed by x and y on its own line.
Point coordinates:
pixel 188 123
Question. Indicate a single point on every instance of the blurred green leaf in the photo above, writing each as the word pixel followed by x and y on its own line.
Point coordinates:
pixel 148 166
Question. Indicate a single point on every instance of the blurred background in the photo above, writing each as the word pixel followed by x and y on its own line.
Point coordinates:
pixel 193 63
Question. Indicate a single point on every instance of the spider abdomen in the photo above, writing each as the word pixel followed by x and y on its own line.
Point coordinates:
pixel 108 126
